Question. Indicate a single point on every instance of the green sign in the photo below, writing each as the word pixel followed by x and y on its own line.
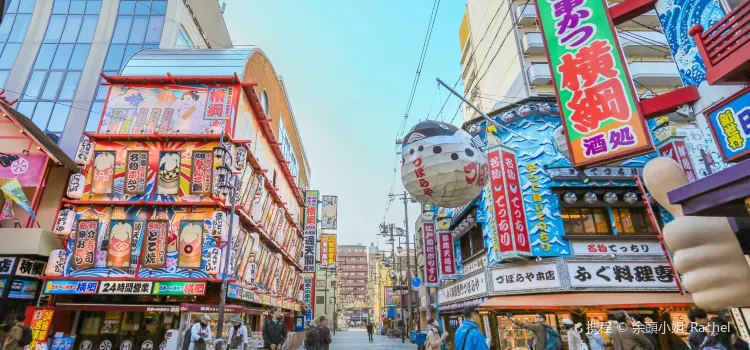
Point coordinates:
pixel 179 288
pixel 599 107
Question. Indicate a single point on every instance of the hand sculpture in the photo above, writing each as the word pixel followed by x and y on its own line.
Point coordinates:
pixel 706 251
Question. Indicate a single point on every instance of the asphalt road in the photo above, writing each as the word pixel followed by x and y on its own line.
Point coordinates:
pixel 355 339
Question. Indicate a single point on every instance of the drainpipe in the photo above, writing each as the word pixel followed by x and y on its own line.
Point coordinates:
pixel 519 49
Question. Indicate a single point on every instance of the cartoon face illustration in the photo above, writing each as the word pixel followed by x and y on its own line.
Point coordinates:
pixel 104 161
pixel 590 197
pixel 610 197
pixel 187 105
pixel 570 197
pixel 630 197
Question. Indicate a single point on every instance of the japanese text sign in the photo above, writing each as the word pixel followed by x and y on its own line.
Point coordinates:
pixel 430 254
pixel 6 265
pixel 41 320
pixel 125 288
pixel 509 219
pixel 616 247
pixel 328 250
pixel 730 124
pixel 309 296
pixel 471 287
pixel 599 107
pixel 529 277
pixel 447 255
pixel 677 151
pixel 85 244
pixel 621 275
pixel 30 268
pixel 311 229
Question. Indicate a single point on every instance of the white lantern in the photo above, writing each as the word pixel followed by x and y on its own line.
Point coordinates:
pixel 441 165
pixel 251 273
pixel 212 267
pixel 64 223
pixel 241 157
pixel 75 186
pixel 630 197
pixel 84 152
pixel 570 197
pixel 610 197
pixel 590 197
pixel 56 263
pixel 219 226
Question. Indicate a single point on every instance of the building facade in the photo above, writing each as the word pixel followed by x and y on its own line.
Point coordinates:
pixel 55 50
pixel 353 272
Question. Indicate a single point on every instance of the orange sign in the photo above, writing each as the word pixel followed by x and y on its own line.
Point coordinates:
pixel 41 320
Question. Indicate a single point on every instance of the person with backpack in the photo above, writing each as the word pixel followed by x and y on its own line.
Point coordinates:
pixel 325 332
pixel 625 337
pixel 468 336
pixel 274 331
pixel 237 334
pixel 313 340
pixel 370 331
pixel 574 338
pixel 544 337
pixel 20 335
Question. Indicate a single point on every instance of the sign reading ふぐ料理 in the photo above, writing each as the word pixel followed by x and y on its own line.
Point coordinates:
pixel 616 275
pixel 600 111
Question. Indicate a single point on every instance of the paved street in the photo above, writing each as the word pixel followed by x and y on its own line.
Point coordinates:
pixel 354 339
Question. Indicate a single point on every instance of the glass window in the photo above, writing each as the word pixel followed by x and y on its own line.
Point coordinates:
pixel 60 6
pixel 122 29
pixel 138 30
pixel 69 86
pixel 53 31
pixel 9 56
pixel 77 7
pixel 35 84
pixel 130 50
pixel 585 221
pixel 25 6
pixel 62 56
pixel 6 26
pixel 101 92
pixel 72 26
pixel 26 108
pixel 20 26
pixel 45 56
pixel 42 113
pixel 142 7
pixel 88 29
pixel 632 221
pixel 93 7
pixel 94 116
pixel 114 57
pixel 53 84
pixel 155 25
pixel 158 7
pixel 3 77
pixel 59 117
pixel 151 46
pixel 80 53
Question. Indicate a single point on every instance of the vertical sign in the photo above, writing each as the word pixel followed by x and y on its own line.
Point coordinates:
pixel 677 151
pixel 41 320
pixel 502 238
pixel 135 176
pixel 515 201
pixel 327 250
pixel 730 124
pixel 600 111
pixel 309 296
pixel 329 212
pixel 512 237
pixel 311 229
pixel 331 250
pixel 85 244
pixel 154 248
pixel 430 253
pixel 447 255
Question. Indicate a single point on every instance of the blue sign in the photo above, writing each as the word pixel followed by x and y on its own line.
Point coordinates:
pixel 70 287
pixel 299 325
pixel 3 282
pixel 730 124
pixel 416 282
pixel 22 289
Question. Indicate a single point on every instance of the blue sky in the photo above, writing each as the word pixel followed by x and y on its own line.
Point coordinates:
pixel 349 67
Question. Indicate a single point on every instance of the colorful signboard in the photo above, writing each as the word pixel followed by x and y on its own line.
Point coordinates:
pixel 30 267
pixel 511 238
pixel 6 264
pixel 327 250
pixel 135 175
pixel 730 124
pixel 70 287
pixel 624 275
pixel 600 110
pixel 447 255
pixel 120 242
pixel 431 272
pixel 125 288
pixel 41 321
pixel 311 230
pixel 309 296
pixel 84 246
pixel 27 169
pixel 155 244
pixel 677 151
pixel 329 212
pixel 23 289
pixel 179 288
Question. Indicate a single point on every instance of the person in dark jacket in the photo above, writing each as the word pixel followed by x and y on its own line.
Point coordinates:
pixel 625 337
pixel 538 330
pixel 325 332
pixel 639 323
pixel 698 321
pixel 370 330
pixel 274 331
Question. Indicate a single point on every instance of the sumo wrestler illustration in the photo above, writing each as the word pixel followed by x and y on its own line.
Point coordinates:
pixel 169 173
pixel 103 174
pixel 120 239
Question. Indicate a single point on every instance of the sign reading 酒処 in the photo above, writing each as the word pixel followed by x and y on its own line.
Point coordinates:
pixel 470 287
pixel 730 123
pixel 616 247
pixel 523 278
pixel 430 254
pixel 616 275
pixel 600 111
pixel 311 230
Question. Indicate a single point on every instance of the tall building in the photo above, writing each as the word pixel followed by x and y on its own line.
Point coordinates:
pixel 352 277
pixel 52 52
pixel 503 58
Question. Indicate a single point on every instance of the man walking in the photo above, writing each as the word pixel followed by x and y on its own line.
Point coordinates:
pixel 625 337
pixel 698 321
pixel 325 332
pixel 19 335
pixel 274 331
pixel 544 336
pixel 468 336
pixel 370 330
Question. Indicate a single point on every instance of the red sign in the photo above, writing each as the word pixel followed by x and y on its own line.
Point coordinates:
pixel 84 245
pixel 41 320
pixel 677 151
pixel 447 255
pixel 515 198
pixel 500 203
pixel 430 254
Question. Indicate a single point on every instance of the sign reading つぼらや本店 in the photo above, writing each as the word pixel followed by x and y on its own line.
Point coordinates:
pixel 600 111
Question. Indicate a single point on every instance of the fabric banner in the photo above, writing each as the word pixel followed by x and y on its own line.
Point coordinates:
pixel 12 189
pixel 7 211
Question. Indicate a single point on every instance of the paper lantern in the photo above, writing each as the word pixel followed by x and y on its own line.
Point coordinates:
pixel 219 225
pixel 64 222
pixel 610 197
pixel 590 197
pixel 441 165
pixel 241 157
pixel 630 197
pixel 75 186
pixel 251 273
pixel 56 263
pixel 84 152
pixel 570 197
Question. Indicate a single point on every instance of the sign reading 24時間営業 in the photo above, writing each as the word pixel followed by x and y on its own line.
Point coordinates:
pixel 600 111
pixel 730 124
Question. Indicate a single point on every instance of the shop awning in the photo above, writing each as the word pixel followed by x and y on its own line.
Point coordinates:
pixel 117 307
pixel 580 300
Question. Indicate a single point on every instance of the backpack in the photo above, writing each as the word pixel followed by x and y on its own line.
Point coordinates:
pixel 553 339
pixel 313 336
pixel 26 336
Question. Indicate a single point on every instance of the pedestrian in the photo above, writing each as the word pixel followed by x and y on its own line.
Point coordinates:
pixel 698 321
pixel 468 336
pixel 639 323
pixel 20 335
pixel 596 341
pixel 544 337
pixel 574 338
pixel 237 334
pixel 370 331
pixel 738 343
pixel 625 337
pixel 200 333
pixel 274 331
pixel 325 332
pixel 718 335
pixel 435 338
pixel 312 336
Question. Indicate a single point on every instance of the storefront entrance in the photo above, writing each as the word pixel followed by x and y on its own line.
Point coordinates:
pixel 117 330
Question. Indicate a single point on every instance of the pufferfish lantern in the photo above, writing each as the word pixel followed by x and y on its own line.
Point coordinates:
pixel 441 165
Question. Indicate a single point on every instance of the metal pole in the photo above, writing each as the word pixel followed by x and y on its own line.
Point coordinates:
pixel 325 308
pixel 335 307
pixel 480 112
pixel 227 250
pixel 437 313
pixel 408 259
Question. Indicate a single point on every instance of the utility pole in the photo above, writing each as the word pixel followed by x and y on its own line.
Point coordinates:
pixel 406 198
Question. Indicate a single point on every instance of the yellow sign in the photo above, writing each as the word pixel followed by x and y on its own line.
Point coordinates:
pixel 40 323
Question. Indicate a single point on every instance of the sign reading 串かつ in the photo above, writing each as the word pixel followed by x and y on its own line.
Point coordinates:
pixel 730 124
pixel 601 115
pixel 620 275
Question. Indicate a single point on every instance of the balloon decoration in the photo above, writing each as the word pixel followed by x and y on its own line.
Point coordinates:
pixel 570 197
pixel 630 197
pixel 441 165
pixel 610 197
pixel 590 197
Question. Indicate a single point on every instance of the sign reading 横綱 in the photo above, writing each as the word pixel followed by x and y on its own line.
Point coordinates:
pixel 620 275
pixel 430 254
pixel 311 230
pixel 599 108
pixel 525 278
pixel 511 238
pixel 447 255
pixel 676 149
pixel 730 125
